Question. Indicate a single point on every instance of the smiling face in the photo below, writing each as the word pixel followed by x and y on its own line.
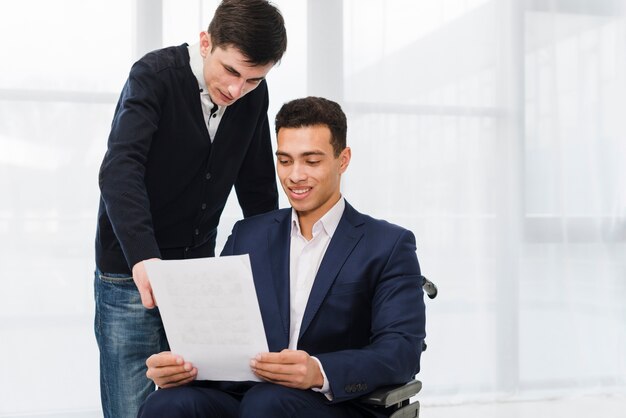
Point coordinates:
pixel 309 171
pixel 227 73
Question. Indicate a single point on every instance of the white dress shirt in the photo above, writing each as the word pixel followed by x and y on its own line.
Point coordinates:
pixel 304 261
pixel 212 117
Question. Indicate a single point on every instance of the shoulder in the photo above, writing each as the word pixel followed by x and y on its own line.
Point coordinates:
pixel 263 220
pixel 373 226
pixel 173 57
pixel 386 245
pixel 161 73
pixel 247 234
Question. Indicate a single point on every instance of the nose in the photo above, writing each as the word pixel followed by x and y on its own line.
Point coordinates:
pixel 235 88
pixel 298 173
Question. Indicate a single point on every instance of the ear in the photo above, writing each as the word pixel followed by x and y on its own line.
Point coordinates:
pixel 205 44
pixel 344 159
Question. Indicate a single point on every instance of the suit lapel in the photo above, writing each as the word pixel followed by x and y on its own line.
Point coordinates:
pixel 279 238
pixel 345 238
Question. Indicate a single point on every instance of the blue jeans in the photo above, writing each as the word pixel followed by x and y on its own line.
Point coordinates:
pixel 127 334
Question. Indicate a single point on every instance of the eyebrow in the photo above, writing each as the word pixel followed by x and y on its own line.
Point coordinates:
pixel 234 71
pixel 304 154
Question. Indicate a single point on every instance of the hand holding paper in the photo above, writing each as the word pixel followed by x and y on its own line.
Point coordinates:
pixel 169 370
pixel 290 368
pixel 211 314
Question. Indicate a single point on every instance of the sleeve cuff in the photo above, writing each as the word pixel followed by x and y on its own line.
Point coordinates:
pixel 325 389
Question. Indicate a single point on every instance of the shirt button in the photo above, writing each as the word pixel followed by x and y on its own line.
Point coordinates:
pixel 197 231
pixel 214 115
pixel 203 207
pixel 208 176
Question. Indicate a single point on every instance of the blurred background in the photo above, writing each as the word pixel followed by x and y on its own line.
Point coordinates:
pixel 493 129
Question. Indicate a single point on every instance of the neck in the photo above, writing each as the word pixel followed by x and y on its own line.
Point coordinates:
pixel 307 219
pixel 306 225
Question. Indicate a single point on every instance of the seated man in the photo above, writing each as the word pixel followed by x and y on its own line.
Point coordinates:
pixel 339 292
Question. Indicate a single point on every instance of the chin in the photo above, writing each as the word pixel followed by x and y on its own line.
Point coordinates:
pixel 218 102
pixel 298 206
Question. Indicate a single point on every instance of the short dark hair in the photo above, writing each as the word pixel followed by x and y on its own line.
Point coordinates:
pixel 254 27
pixel 311 111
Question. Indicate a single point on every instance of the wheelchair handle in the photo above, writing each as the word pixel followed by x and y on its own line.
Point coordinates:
pixel 429 287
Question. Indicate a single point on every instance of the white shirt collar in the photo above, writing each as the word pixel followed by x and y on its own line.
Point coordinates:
pixel 328 222
pixel 197 66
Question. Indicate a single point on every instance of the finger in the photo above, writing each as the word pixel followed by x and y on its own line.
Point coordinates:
pixel 285 356
pixel 166 372
pixel 179 383
pixel 283 373
pixel 276 368
pixel 164 358
pixel 170 375
pixel 278 371
pixel 177 379
pixel 288 358
pixel 145 290
pixel 146 297
pixel 279 379
pixel 143 285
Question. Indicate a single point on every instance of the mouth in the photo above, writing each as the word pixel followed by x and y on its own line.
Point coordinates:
pixel 225 98
pixel 299 193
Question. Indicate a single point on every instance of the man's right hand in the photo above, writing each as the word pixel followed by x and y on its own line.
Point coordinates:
pixel 143 284
pixel 168 370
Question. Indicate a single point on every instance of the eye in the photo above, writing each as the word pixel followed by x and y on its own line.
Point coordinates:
pixel 283 161
pixel 313 162
pixel 232 71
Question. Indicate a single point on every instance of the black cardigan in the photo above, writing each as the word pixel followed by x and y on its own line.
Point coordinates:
pixel 163 184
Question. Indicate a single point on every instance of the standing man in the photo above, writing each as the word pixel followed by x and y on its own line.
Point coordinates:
pixel 339 292
pixel 190 123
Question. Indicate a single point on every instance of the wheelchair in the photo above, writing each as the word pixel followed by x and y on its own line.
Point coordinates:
pixel 395 401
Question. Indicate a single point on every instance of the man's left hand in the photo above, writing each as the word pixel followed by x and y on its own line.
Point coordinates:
pixel 291 368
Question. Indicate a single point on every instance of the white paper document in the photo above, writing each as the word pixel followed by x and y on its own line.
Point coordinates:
pixel 211 314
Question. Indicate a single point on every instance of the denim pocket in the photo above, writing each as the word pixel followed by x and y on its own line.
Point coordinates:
pixel 115 278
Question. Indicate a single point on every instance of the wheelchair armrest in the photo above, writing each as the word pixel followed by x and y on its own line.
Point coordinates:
pixel 392 395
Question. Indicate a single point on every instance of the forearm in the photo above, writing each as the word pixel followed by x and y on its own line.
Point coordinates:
pixel 132 225
pixel 396 332
pixel 256 187
pixel 122 173
pixel 353 373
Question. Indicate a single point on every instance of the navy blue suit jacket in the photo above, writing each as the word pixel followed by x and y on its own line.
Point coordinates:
pixel 365 317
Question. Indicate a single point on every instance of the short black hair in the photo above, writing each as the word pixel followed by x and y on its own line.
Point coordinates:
pixel 254 27
pixel 311 111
